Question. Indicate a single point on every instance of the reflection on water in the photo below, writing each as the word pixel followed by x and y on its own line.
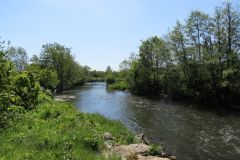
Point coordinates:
pixel 187 132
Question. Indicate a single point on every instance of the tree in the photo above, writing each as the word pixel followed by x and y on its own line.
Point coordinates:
pixel 125 66
pixel 48 79
pixel 196 31
pixel 58 57
pixel 178 43
pixel 231 21
pixel 19 57
pixel 198 60
pixel 110 79
pixel 154 58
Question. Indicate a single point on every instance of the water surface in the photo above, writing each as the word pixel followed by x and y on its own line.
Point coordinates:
pixel 185 131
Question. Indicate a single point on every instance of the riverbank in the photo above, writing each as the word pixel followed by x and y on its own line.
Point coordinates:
pixel 56 130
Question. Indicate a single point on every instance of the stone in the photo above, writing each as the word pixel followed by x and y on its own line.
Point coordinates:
pixel 140 157
pixel 107 136
pixel 108 144
pixel 145 140
pixel 126 151
pixel 173 157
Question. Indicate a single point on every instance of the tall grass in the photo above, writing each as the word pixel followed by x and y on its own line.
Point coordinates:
pixel 56 130
pixel 119 85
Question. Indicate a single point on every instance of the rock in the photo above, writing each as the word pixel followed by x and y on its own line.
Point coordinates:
pixel 172 157
pixel 139 148
pixel 139 137
pixel 64 97
pixel 163 154
pixel 108 144
pixel 127 150
pixel 135 150
pixel 140 157
pixel 145 140
pixel 107 136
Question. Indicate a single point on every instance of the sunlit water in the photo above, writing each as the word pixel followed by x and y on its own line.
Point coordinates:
pixel 185 131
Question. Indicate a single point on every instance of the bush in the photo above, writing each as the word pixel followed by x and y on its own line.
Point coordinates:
pixel 48 79
pixel 120 85
pixel 48 133
pixel 110 79
pixel 26 90
pixel 91 143
pixel 155 150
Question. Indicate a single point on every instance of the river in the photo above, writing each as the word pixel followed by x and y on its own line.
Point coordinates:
pixel 185 131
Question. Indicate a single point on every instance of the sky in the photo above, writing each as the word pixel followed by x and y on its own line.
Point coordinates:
pixel 100 33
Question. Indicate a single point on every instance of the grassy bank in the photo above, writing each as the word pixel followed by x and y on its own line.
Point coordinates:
pixel 56 130
pixel 119 85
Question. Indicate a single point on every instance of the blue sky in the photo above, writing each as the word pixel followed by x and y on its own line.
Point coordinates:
pixel 100 32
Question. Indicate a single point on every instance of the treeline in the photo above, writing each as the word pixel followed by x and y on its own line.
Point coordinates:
pixel 56 60
pixel 197 60
pixel 24 84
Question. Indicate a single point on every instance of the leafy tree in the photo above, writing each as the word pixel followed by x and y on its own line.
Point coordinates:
pixel 19 57
pixel 48 79
pixel 26 90
pixel 110 78
pixel 58 57
pixel 154 59
pixel 231 23
pixel 196 30
pixel 198 60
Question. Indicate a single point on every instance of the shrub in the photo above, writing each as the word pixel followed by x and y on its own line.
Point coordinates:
pixel 91 143
pixel 48 79
pixel 121 85
pixel 26 90
pixel 155 150
pixel 110 79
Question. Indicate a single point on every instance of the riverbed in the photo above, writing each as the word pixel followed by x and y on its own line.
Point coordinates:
pixel 183 129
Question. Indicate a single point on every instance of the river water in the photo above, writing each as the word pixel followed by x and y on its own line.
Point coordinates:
pixel 185 131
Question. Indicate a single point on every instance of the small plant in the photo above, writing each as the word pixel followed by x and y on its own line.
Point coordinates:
pixel 91 143
pixel 155 150
pixel 132 156
pixel 46 114
pixel 130 139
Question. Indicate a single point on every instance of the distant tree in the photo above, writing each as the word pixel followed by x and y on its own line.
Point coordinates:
pixel 110 78
pixel 154 58
pixel 196 31
pixel 231 24
pixel 48 79
pixel 58 57
pixel 35 59
pixel 19 57
pixel 199 60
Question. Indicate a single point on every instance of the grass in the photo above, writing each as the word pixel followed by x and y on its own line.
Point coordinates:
pixel 119 85
pixel 56 130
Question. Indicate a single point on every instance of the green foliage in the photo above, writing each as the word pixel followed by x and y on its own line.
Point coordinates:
pixel 198 60
pixel 26 90
pixel 48 79
pixel 19 57
pixel 119 85
pixel 56 130
pixel 132 156
pixel 7 72
pixel 96 76
pixel 110 77
pixel 155 150
pixel 91 143
pixel 154 58
pixel 18 91
pixel 59 58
